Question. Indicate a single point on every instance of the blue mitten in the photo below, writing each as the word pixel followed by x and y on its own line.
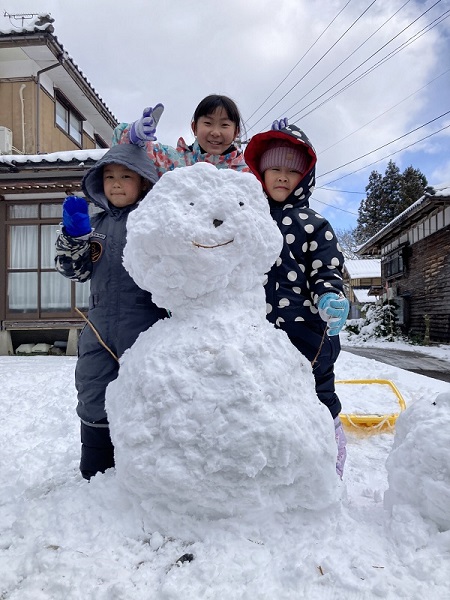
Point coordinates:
pixel 341 443
pixel 143 130
pixel 280 124
pixel 333 309
pixel 76 217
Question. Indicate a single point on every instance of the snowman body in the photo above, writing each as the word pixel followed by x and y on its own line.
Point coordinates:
pixel 418 465
pixel 214 412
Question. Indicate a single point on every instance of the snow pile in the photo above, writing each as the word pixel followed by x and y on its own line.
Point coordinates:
pixel 214 413
pixel 419 467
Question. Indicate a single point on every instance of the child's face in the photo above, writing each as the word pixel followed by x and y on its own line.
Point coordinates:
pixel 122 186
pixel 215 132
pixel 280 182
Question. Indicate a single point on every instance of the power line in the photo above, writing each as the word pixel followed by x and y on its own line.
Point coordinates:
pixel 372 68
pixel 384 145
pixel 383 113
pixel 385 157
pixel 350 55
pixel 314 65
pixel 299 61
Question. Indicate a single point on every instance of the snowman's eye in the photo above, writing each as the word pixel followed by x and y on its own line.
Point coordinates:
pixel 191 204
pixel 241 204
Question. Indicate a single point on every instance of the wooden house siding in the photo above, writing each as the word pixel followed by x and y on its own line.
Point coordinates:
pixel 415 265
pixel 425 286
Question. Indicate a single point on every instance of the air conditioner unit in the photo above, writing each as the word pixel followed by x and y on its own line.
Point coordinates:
pixel 5 140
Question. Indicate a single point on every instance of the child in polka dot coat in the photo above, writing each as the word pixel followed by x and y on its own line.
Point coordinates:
pixel 304 288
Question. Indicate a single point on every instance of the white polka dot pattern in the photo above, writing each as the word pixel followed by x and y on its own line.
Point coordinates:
pixel 311 261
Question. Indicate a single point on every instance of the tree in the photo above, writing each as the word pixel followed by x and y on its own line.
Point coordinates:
pixel 388 196
pixel 347 242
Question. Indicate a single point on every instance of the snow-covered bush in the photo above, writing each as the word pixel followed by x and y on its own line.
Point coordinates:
pixel 379 321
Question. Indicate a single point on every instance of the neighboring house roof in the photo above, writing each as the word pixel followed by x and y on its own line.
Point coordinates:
pixel 362 295
pixel 19 173
pixel 37 42
pixel 424 205
pixel 363 268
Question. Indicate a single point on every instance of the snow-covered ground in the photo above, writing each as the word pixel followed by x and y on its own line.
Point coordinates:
pixel 62 538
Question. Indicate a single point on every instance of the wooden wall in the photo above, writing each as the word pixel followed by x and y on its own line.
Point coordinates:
pixel 426 286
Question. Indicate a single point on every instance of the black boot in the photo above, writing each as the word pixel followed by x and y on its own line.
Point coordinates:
pixel 97 451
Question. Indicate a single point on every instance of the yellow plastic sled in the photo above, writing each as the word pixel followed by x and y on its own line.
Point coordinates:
pixel 373 421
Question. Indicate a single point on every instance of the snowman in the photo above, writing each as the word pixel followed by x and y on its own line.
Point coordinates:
pixel 214 412
pixel 419 469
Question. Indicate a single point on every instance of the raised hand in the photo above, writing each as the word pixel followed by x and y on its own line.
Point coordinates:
pixel 144 129
pixel 76 216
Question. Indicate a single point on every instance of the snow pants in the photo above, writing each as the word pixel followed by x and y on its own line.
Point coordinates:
pixel 307 338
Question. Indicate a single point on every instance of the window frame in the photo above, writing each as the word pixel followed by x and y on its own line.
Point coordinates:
pixel 74 121
pixel 36 312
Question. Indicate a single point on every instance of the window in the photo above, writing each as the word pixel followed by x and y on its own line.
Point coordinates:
pixel 68 118
pixel 394 263
pixel 34 288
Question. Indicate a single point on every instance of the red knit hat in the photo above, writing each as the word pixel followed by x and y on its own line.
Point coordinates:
pixel 284 154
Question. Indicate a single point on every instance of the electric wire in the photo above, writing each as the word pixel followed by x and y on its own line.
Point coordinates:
pixel 350 55
pixel 384 157
pixel 298 62
pixel 314 65
pixel 321 152
pixel 405 44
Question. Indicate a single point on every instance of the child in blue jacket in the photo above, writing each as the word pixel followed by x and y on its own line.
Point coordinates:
pixel 304 288
pixel 91 250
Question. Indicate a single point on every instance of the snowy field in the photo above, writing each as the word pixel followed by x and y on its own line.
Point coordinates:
pixel 62 538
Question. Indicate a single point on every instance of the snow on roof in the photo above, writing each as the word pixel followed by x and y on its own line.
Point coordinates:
pixel 441 190
pixel 40 22
pixel 64 156
pixel 363 268
pixel 362 295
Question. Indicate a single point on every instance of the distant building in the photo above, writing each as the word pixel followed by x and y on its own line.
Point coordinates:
pixel 362 280
pixel 415 265
pixel 53 127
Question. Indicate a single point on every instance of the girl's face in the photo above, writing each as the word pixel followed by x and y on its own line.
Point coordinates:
pixel 215 132
pixel 280 182
pixel 121 185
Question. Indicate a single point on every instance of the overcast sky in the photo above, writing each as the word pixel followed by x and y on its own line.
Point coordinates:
pixel 312 61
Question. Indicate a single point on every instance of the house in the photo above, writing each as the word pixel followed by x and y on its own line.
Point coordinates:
pixel 362 279
pixel 53 128
pixel 415 265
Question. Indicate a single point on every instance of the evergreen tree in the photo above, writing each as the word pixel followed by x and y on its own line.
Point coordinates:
pixel 413 186
pixel 388 196
pixel 369 209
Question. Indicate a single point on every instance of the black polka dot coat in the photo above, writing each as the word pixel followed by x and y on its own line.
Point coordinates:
pixel 311 261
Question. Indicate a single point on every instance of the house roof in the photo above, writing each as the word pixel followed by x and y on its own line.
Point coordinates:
pixel 363 268
pixel 362 295
pixel 22 173
pixel 36 42
pixel 440 195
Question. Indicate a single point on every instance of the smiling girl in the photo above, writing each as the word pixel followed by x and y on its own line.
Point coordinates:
pixel 216 124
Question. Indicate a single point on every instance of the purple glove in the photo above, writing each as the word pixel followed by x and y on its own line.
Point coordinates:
pixel 76 216
pixel 143 130
pixel 280 124
pixel 341 442
pixel 333 309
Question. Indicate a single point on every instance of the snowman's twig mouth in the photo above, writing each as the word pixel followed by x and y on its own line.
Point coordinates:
pixel 214 246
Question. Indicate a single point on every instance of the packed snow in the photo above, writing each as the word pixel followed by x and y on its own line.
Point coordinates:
pixel 220 445
pixel 214 412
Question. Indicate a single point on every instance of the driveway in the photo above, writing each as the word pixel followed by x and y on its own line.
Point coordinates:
pixel 413 360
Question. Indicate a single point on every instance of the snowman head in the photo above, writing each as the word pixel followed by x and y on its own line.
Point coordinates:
pixel 201 230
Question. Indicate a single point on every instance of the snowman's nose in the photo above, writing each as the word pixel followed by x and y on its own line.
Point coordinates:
pixel 217 222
